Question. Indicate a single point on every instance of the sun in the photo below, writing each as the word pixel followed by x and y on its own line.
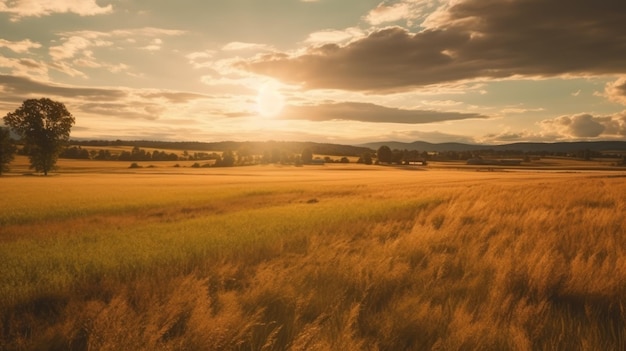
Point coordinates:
pixel 270 101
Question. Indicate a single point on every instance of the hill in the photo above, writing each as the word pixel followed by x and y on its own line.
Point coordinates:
pixel 564 147
pixel 257 146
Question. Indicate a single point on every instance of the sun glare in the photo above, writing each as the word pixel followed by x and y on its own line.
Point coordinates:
pixel 270 101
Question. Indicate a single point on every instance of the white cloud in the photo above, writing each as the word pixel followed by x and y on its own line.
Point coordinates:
pixel 334 36
pixel 409 10
pixel 237 46
pixel 29 8
pixel 389 13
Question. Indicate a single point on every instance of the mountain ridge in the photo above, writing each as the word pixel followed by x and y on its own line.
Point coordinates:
pixel 571 146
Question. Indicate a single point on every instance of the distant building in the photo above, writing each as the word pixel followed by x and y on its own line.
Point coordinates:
pixel 415 162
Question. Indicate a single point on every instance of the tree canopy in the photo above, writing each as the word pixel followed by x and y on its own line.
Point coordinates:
pixel 307 155
pixel 385 155
pixel 7 150
pixel 44 126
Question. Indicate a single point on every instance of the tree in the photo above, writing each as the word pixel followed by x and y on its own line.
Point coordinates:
pixel 227 159
pixel 384 154
pixel 306 156
pixel 7 150
pixel 44 126
pixel 366 158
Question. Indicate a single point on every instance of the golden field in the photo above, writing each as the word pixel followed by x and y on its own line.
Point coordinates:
pixel 335 257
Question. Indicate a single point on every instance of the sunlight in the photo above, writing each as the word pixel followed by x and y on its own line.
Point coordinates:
pixel 270 101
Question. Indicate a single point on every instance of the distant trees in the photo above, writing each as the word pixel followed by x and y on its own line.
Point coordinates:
pixel 385 155
pixel 76 152
pixel 227 159
pixel 44 126
pixel 366 158
pixel 138 154
pixel 306 156
pixel 7 150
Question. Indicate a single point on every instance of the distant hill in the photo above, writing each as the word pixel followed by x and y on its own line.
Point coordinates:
pixel 257 146
pixel 524 147
pixel 357 150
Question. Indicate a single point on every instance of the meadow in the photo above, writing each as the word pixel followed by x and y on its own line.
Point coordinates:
pixel 335 257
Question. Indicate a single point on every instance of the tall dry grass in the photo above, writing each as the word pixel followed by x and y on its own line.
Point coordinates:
pixel 382 260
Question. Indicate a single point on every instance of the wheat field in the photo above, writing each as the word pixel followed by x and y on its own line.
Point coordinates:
pixel 337 257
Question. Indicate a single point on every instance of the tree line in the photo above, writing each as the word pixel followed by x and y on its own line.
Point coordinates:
pixel 44 125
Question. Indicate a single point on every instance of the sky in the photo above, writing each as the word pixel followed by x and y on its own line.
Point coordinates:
pixel 339 71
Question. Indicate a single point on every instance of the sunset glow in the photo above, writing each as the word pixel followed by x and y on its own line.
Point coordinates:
pixel 270 101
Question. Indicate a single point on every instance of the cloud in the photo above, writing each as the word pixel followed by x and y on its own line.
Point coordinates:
pixel 25 67
pixel 201 59
pixel 104 104
pixel 509 136
pixel 616 91
pixel 367 112
pixel 135 110
pixel 72 46
pixel 28 8
pixel 174 96
pixel 466 40
pixel 587 126
pixel 238 46
pixel 19 47
pixel 155 45
pixel 333 36
pixel 27 87
pixel 519 109
pixel 388 13
pixel 77 47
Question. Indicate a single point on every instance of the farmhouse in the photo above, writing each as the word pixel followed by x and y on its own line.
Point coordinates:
pixel 415 162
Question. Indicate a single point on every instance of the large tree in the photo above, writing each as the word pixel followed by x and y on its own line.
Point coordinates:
pixel 384 154
pixel 306 156
pixel 7 149
pixel 44 126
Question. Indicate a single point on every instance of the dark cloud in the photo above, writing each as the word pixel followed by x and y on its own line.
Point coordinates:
pixel 24 86
pixel 367 112
pixel 175 97
pixel 585 126
pixel 470 39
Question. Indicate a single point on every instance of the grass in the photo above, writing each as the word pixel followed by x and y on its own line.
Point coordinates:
pixel 382 259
